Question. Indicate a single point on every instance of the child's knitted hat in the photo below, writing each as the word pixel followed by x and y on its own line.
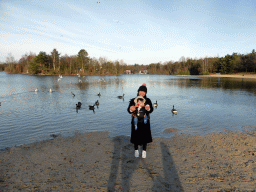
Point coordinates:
pixel 139 97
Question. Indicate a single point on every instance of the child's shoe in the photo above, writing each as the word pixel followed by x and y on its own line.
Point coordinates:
pixel 144 154
pixel 136 153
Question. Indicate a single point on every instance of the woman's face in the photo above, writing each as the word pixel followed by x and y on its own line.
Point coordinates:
pixel 142 93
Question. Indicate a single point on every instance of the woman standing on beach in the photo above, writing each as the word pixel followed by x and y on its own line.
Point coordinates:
pixel 142 135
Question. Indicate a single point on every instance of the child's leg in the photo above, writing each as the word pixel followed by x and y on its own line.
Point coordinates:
pixel 136 147
pixel 135 122
pixel 145 118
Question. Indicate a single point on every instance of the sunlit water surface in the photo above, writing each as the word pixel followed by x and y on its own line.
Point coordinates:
pixel 204 105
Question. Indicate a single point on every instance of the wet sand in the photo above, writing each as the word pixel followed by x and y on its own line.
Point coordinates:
pixel 97 162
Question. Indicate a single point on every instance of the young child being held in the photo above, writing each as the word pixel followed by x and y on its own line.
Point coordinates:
pixel 140 112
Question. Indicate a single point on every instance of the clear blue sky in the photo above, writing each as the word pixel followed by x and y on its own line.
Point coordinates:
pixel 136 31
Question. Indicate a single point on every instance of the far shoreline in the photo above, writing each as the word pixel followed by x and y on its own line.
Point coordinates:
pixel 241 76
pixel 216 75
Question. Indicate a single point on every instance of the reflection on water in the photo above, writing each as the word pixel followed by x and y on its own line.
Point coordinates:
pixel 204 105
pixel 234 84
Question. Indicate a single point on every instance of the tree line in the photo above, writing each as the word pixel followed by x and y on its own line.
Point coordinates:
pixel 53 63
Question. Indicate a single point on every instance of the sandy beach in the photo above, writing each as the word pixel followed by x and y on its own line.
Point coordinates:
pixel 245 76
pixel 97 162
pixel 237 76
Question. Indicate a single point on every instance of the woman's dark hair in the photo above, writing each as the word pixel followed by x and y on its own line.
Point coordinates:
pixel 142 88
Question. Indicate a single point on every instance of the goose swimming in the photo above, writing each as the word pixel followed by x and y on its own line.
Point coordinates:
pixel 91 107
pixel 121 97
pixel 78 105
pixel 174 111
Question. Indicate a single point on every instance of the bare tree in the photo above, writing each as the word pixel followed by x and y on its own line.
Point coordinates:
pixel 55 56
pixel 10 62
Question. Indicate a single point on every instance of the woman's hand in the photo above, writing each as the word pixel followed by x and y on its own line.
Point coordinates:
pixel 132 108
pixel 147 107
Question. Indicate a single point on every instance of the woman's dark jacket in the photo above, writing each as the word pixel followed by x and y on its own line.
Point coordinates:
pixel 143 133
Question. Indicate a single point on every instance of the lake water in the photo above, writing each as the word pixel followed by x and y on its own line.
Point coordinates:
pixel 204 105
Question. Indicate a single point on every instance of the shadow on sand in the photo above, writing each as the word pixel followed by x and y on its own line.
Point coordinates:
pixel 155 173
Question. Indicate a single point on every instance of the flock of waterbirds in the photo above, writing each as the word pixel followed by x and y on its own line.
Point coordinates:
pixel 79 104
pixel 174 111
pixel 92 107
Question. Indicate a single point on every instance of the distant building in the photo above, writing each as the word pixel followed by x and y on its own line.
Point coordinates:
pixel 128 71
pixel 143 72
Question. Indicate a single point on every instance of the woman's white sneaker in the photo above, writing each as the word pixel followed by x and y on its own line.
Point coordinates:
pixel 136 153
pixel 144 154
